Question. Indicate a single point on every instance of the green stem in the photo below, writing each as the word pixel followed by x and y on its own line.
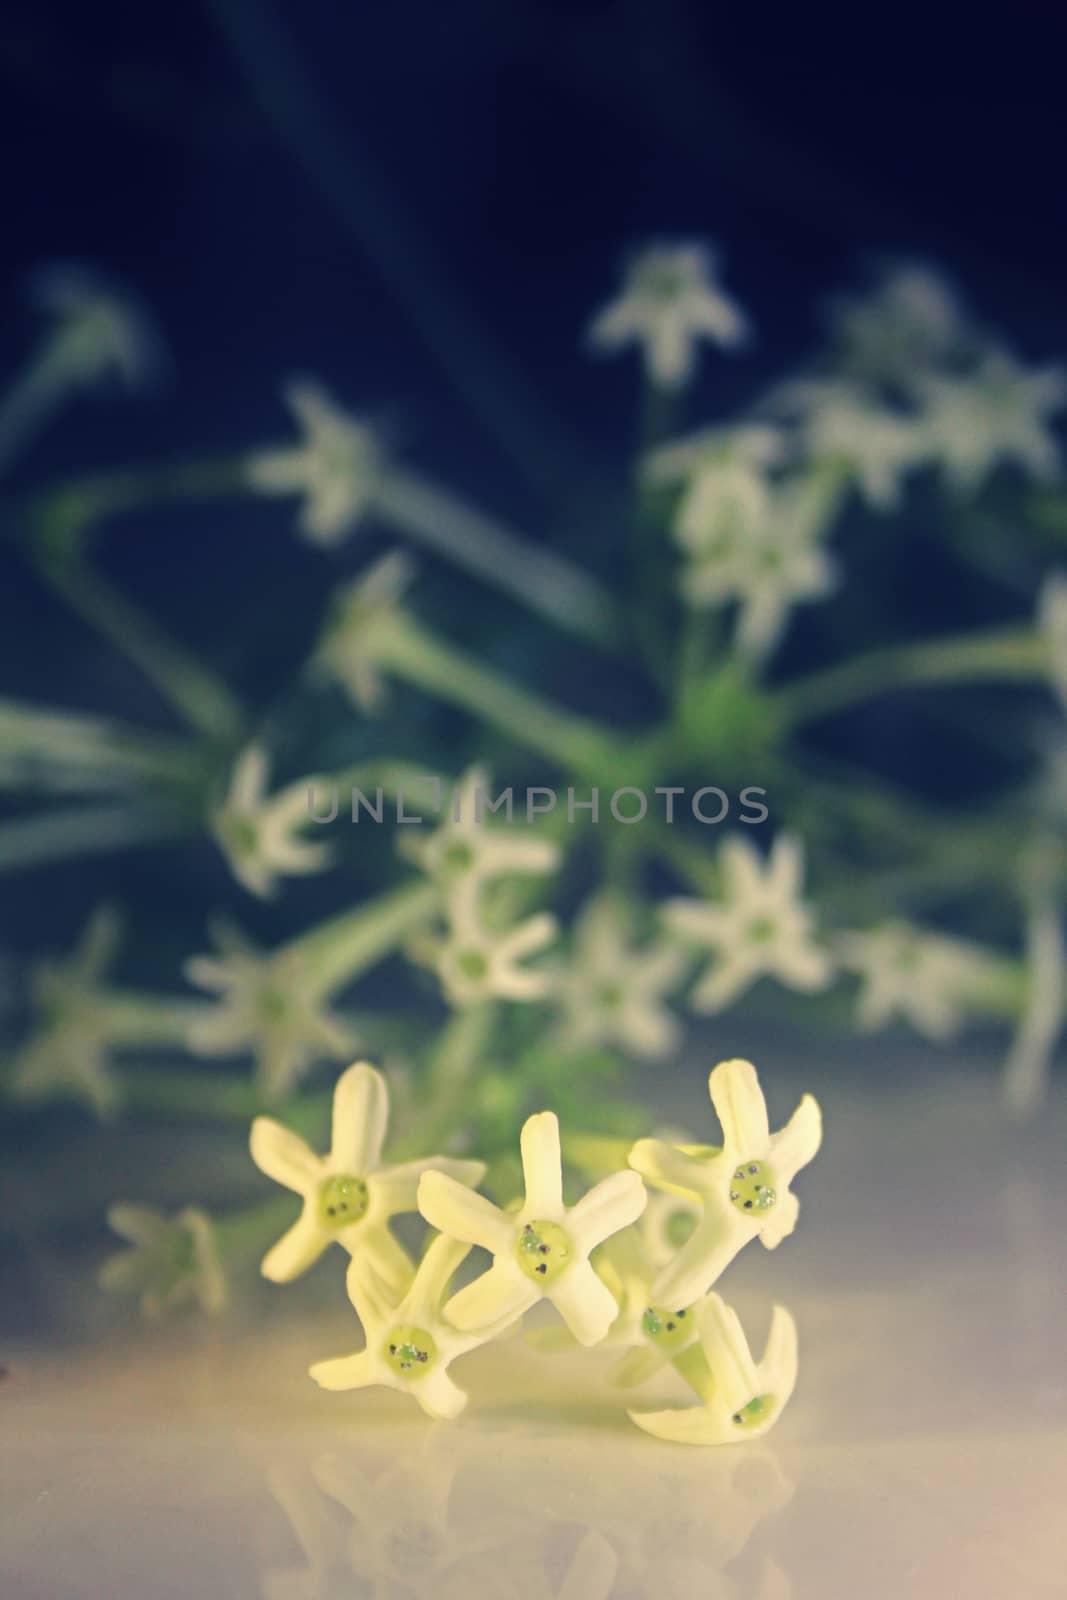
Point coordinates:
pixel 82 830
pixel 415 655
pixel 207 704
pixel 67 751
pixel 545 582
pixel 1000 654
pixel 72 508
pixel 338 951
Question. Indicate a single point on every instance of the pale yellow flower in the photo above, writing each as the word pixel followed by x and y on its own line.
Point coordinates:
pixel 540 1251
pixel 742 1398
pixel 259 833
pixel 743 1187
pixel 409 1345
pixel 348 1194
pixel 612 991
pixel 760 927
pixel 174 1261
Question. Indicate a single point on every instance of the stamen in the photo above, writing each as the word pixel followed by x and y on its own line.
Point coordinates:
pixel 752 1188
pixel 544 1251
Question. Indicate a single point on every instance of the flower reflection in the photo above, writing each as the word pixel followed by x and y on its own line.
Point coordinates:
pixel 499 1514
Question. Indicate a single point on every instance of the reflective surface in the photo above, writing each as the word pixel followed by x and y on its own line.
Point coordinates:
pixel 925 1451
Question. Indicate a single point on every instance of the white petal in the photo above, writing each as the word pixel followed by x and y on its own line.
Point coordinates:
pixel 462 1214
pixel 360 1115
pixel 727 980
pixel 439 1396
pixel 781 1221
pixel 374 1244
pixel 435 1272
pixel 499 1296
pixel 740 1107
pixel 797 1143
pixel 138 1224
pixel 284 1156
pixel 395 1189
pixel 346 1372
pixel 736 1380
pixel 542 1167
pixel 668 1167
pixel 689 1425
pixel 586 1304
pixel 703 1258
pixel 610 1205
pixel 296 1250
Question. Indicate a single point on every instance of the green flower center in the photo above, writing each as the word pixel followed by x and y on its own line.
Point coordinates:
pixel 751 1188
pixel 273 1003
pixel 609 996
pixel 241 834
pixel 458 856
pixel 667 1329
pixel 755 1412
pixel 660 283
pixel 473 964
pixel 409 1352
pixel 544 1251
pixel 679 1227
pixel 761 930
pixel 343 1199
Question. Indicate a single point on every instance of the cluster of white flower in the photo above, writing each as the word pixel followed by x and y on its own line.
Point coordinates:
pixel 611 1282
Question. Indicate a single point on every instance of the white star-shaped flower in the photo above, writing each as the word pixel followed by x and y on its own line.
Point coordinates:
pixel 348 1194
pixel 742 1187
pixel 267 1006
pixel 779 562
pixel 259 832
pixel 669 301
pixel 760 927
pixel 476 962
pixel 364 616
pixel 843 424
pixel 906 971
pixel 542 1250
pixel 725 473
pixel 174 1260
pixel 612 991
pixel 743 1398
pixel 649 1335
pixel 466 851
pixel 337 468
pixel 409 1345
pixel 912 321
pixel 999 412
pixel 67 1052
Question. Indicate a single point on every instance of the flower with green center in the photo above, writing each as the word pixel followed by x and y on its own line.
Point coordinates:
pixel 726 489
pixel 337 468
pixel 842 424
pixel 267 1006
pixel 743 1188
pixel 668 303
pixel 258 833
pixel 760 926
pixel 174 1261
pixel 348 1194
pixel 924 977
pixel 740 1398
pixel 364 616
pixel 67 1053
pixel 998 412
pixel 612 991
pixel 466 850
pixel 541 1250
pixel 909 324
pixel 649 1335
pixel 409 1343
pixel 475 962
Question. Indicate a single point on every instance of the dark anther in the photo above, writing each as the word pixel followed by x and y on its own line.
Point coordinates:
pixel 542 1266
pixel 748 1205
pixel 543 1248
pixel 670 1327
pixel 332 1210
pixel 680 1313
pixel 392 1349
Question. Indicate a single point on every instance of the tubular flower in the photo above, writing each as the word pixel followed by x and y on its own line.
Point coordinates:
pixel 465 851
pixel 364 616
pixel 542 1250
pixel 760 927
pixel 409 1345
pixel 741 1398
pixel 258 833
pixel 337 467
pixel 268 1007
pixel 669 301
pixel 743 1187
pixel 922 976
pixel 348 1194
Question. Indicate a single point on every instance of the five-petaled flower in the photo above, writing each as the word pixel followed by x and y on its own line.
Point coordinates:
pixel 364 617
pixel 173 1262
pixel 668 303
pixel 466 851
pixel 611 990
pixel 409 1344
pixel 760 926
pixel 999 412
pixel 348 1194
pixel 743 1187
pixel 337 467
pixel 926 977
pixel 259 832
pixel 741 1398
pixel 540 1251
